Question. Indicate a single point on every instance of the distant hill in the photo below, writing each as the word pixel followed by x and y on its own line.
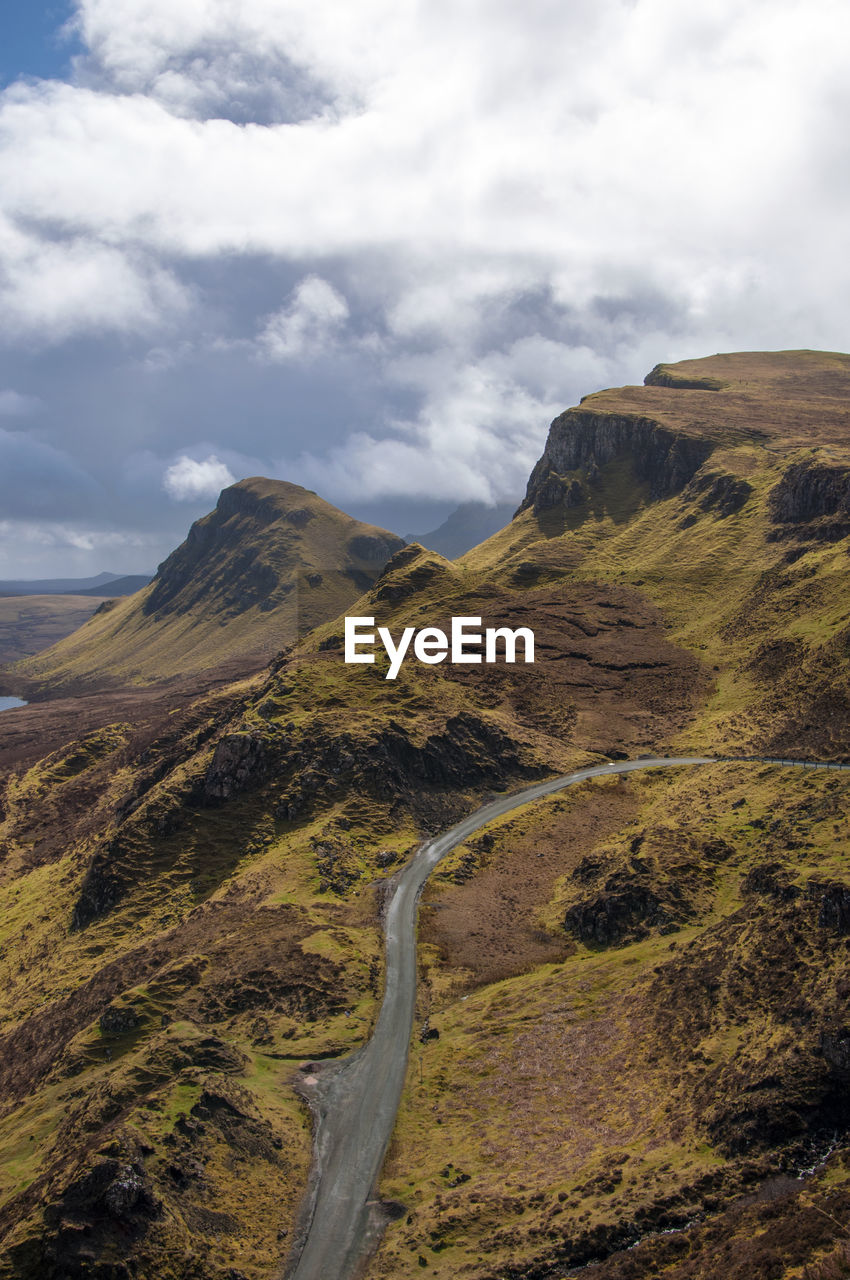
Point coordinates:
pixel 30 623
pixel 104 584
pixel 470 524
pixel 126 586
pixel 636 1057
pixel 269 563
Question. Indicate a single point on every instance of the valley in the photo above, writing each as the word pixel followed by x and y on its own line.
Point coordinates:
pixel 30 623
pixel 630 1040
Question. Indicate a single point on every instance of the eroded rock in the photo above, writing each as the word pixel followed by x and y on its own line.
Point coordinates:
pixel 583 441
pixel 239 762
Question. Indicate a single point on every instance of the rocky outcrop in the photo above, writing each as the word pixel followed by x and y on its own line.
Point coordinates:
pixel 621 911
pixel 467 752
pixel 832 899
pixel 118 1188
pixel 835 1050
pixel 769 880
pixel 103 887
pixel 92 1223
pixel 118 1019
pixel 664 375
pixel 811 501
pixel 308 989
pixel 581 441
pixel 655 884
pixel 239 762
pixel 719 493
pixel 558 491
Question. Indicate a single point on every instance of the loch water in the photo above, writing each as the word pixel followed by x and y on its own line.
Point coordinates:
pixel 8 704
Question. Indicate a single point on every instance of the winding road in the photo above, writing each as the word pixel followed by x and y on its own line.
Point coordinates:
pixel 355 1099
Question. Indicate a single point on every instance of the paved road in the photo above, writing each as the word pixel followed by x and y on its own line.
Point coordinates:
pixel 355 1100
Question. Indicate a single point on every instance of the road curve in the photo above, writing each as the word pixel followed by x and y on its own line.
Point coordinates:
pixel 355 1099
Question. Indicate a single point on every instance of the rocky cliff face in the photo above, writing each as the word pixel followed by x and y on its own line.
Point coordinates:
pixel 583 441
pixel 667 428
pixel 665 375
pixel 272 561
pixel 258 542
pixel 812 500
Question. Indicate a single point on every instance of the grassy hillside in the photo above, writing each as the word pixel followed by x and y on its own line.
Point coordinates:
pixel 31 623
pixel 674 1059
pixel 639 986
pixel 747 559
pixel 268 564
pixel 785 400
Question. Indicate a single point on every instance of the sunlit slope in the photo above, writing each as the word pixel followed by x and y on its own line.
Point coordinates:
pixel 640 992
pixel 31 623
pixel 730 509
pixel 786 399
pixel 269 563
pixel 639 986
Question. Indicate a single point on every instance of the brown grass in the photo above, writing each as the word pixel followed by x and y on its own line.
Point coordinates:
pixel 787 399
pixel 482 912
pixel 29 624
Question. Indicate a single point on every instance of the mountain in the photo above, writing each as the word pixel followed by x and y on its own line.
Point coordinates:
pixel 661 434
pixel 269 563
pixel 66 586
pixel 123 586
pixel 721 491
pixel 632 1052
pixel 468 525
pixel 31 623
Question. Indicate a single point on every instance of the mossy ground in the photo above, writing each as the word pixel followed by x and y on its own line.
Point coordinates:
pixel 582 1094
pixel 557 1105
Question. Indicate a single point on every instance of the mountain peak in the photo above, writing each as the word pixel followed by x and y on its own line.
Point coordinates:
pixel 270 561
pixel 659 434
pixel 257 489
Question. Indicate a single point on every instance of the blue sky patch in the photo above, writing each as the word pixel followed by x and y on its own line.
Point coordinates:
pixel 32 43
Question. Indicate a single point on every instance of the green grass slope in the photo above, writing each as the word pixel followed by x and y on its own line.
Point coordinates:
pixel 639 987
pixel 269 563
pixel 29 624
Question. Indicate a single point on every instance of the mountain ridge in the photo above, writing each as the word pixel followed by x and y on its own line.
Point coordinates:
pixel 465 527
pixel 99 585
pixel 267 564
pixel 684 413
pixel 631 1050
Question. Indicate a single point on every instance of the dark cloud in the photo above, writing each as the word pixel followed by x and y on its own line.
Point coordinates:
pixel 373 248
pixel 38 481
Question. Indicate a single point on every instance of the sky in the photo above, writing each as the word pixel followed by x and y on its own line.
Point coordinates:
pixel 374 248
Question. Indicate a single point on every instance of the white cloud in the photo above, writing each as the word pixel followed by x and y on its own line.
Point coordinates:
pixel 667 126
pixel 52 289
pixel 516 204
pixel 308 325
pixel 480 430
pixel 51 533
pixel 188 480
pixel 671 137
pixel 27 547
